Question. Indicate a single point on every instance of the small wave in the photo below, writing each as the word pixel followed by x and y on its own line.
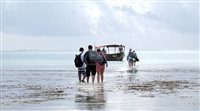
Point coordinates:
pixel 170 70
pixel 39 70
pixel 111 70
pixel 163 70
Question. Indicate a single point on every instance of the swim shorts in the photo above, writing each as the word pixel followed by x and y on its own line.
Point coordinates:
pixel 99 67
pixel 81 71
pixel 90 68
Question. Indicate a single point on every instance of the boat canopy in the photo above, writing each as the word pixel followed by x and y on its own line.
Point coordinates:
pixel 111 49
pixel 113 45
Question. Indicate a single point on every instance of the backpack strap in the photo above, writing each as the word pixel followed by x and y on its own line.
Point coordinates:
pixel 85 58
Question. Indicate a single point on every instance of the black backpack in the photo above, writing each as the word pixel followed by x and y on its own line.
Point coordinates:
pixel 78 62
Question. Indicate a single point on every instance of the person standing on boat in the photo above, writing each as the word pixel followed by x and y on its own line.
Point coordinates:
pixel 104 51
pixel 100 67
pixel 120 48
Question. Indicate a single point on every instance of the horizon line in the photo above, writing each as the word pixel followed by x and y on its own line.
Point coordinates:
pixel 77 50
pixel 93 1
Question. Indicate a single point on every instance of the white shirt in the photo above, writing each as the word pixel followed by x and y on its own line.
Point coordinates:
pixel 82 57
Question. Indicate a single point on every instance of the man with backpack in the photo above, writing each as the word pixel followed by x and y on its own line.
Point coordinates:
pixel 91 58
pixel 80 65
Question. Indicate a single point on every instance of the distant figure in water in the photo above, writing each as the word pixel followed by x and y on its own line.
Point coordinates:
pixel 132 58
pixel 100 67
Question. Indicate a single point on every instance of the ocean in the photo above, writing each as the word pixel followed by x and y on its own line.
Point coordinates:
pixel 47 80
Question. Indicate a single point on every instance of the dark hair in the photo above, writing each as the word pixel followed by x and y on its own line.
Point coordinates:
pixel 98 50
pixel 89 47
pixel 81 49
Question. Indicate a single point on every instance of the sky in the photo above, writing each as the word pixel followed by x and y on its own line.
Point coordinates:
pixel 68 25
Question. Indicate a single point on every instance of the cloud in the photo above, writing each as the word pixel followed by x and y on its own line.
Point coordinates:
pixel 178 16
pixel 138 24
pixel 19 42
pixel 45 19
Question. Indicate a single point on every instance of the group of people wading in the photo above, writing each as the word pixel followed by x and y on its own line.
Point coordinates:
pixel 132 58
pixel 92 62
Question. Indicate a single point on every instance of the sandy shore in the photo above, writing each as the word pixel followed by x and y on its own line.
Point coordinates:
pixel 121 90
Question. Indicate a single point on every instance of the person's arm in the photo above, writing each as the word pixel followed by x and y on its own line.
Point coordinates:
pixel 106 62
pixel 104 57
pixel 82 56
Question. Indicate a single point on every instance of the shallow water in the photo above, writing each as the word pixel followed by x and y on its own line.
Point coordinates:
pixel 47 80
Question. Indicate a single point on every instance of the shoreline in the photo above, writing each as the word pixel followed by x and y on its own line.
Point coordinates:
pixel 116 88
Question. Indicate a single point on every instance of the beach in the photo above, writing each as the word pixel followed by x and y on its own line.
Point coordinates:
pixel 47 80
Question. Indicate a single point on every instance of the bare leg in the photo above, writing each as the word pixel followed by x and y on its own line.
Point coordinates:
pixel 93 77
pixel 98 74
pixel 88 79
pixel 130 64
pixel 102 77
pixel 83 78
pixel 79 77
pixel 133 63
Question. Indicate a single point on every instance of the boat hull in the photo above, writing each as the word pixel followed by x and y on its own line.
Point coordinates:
pixel 115 57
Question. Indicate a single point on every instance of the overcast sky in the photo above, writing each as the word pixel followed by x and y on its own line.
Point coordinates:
pixel 140 25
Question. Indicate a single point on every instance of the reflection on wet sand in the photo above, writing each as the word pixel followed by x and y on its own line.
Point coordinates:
pixel 132 75
pixel 132 70
pixel 90 97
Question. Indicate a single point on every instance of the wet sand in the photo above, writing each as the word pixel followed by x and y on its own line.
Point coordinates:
pixel 122 90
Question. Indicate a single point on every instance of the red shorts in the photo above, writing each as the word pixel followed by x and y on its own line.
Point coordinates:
pixel 99 67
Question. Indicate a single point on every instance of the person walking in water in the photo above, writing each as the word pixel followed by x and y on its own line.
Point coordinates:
pixel 91 65
pixel 80 65
pixel 101 66
pixel 129 57
pixel 128 54
pixel 132 57
pixel 135 58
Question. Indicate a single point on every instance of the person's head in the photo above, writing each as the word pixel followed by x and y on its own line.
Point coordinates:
pixel 98 50
pixel 130 50
pixel 81 49
pixel 133 50
pixel 90 47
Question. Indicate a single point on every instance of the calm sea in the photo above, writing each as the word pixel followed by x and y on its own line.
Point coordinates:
pixel 63 60
pixel 28 79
